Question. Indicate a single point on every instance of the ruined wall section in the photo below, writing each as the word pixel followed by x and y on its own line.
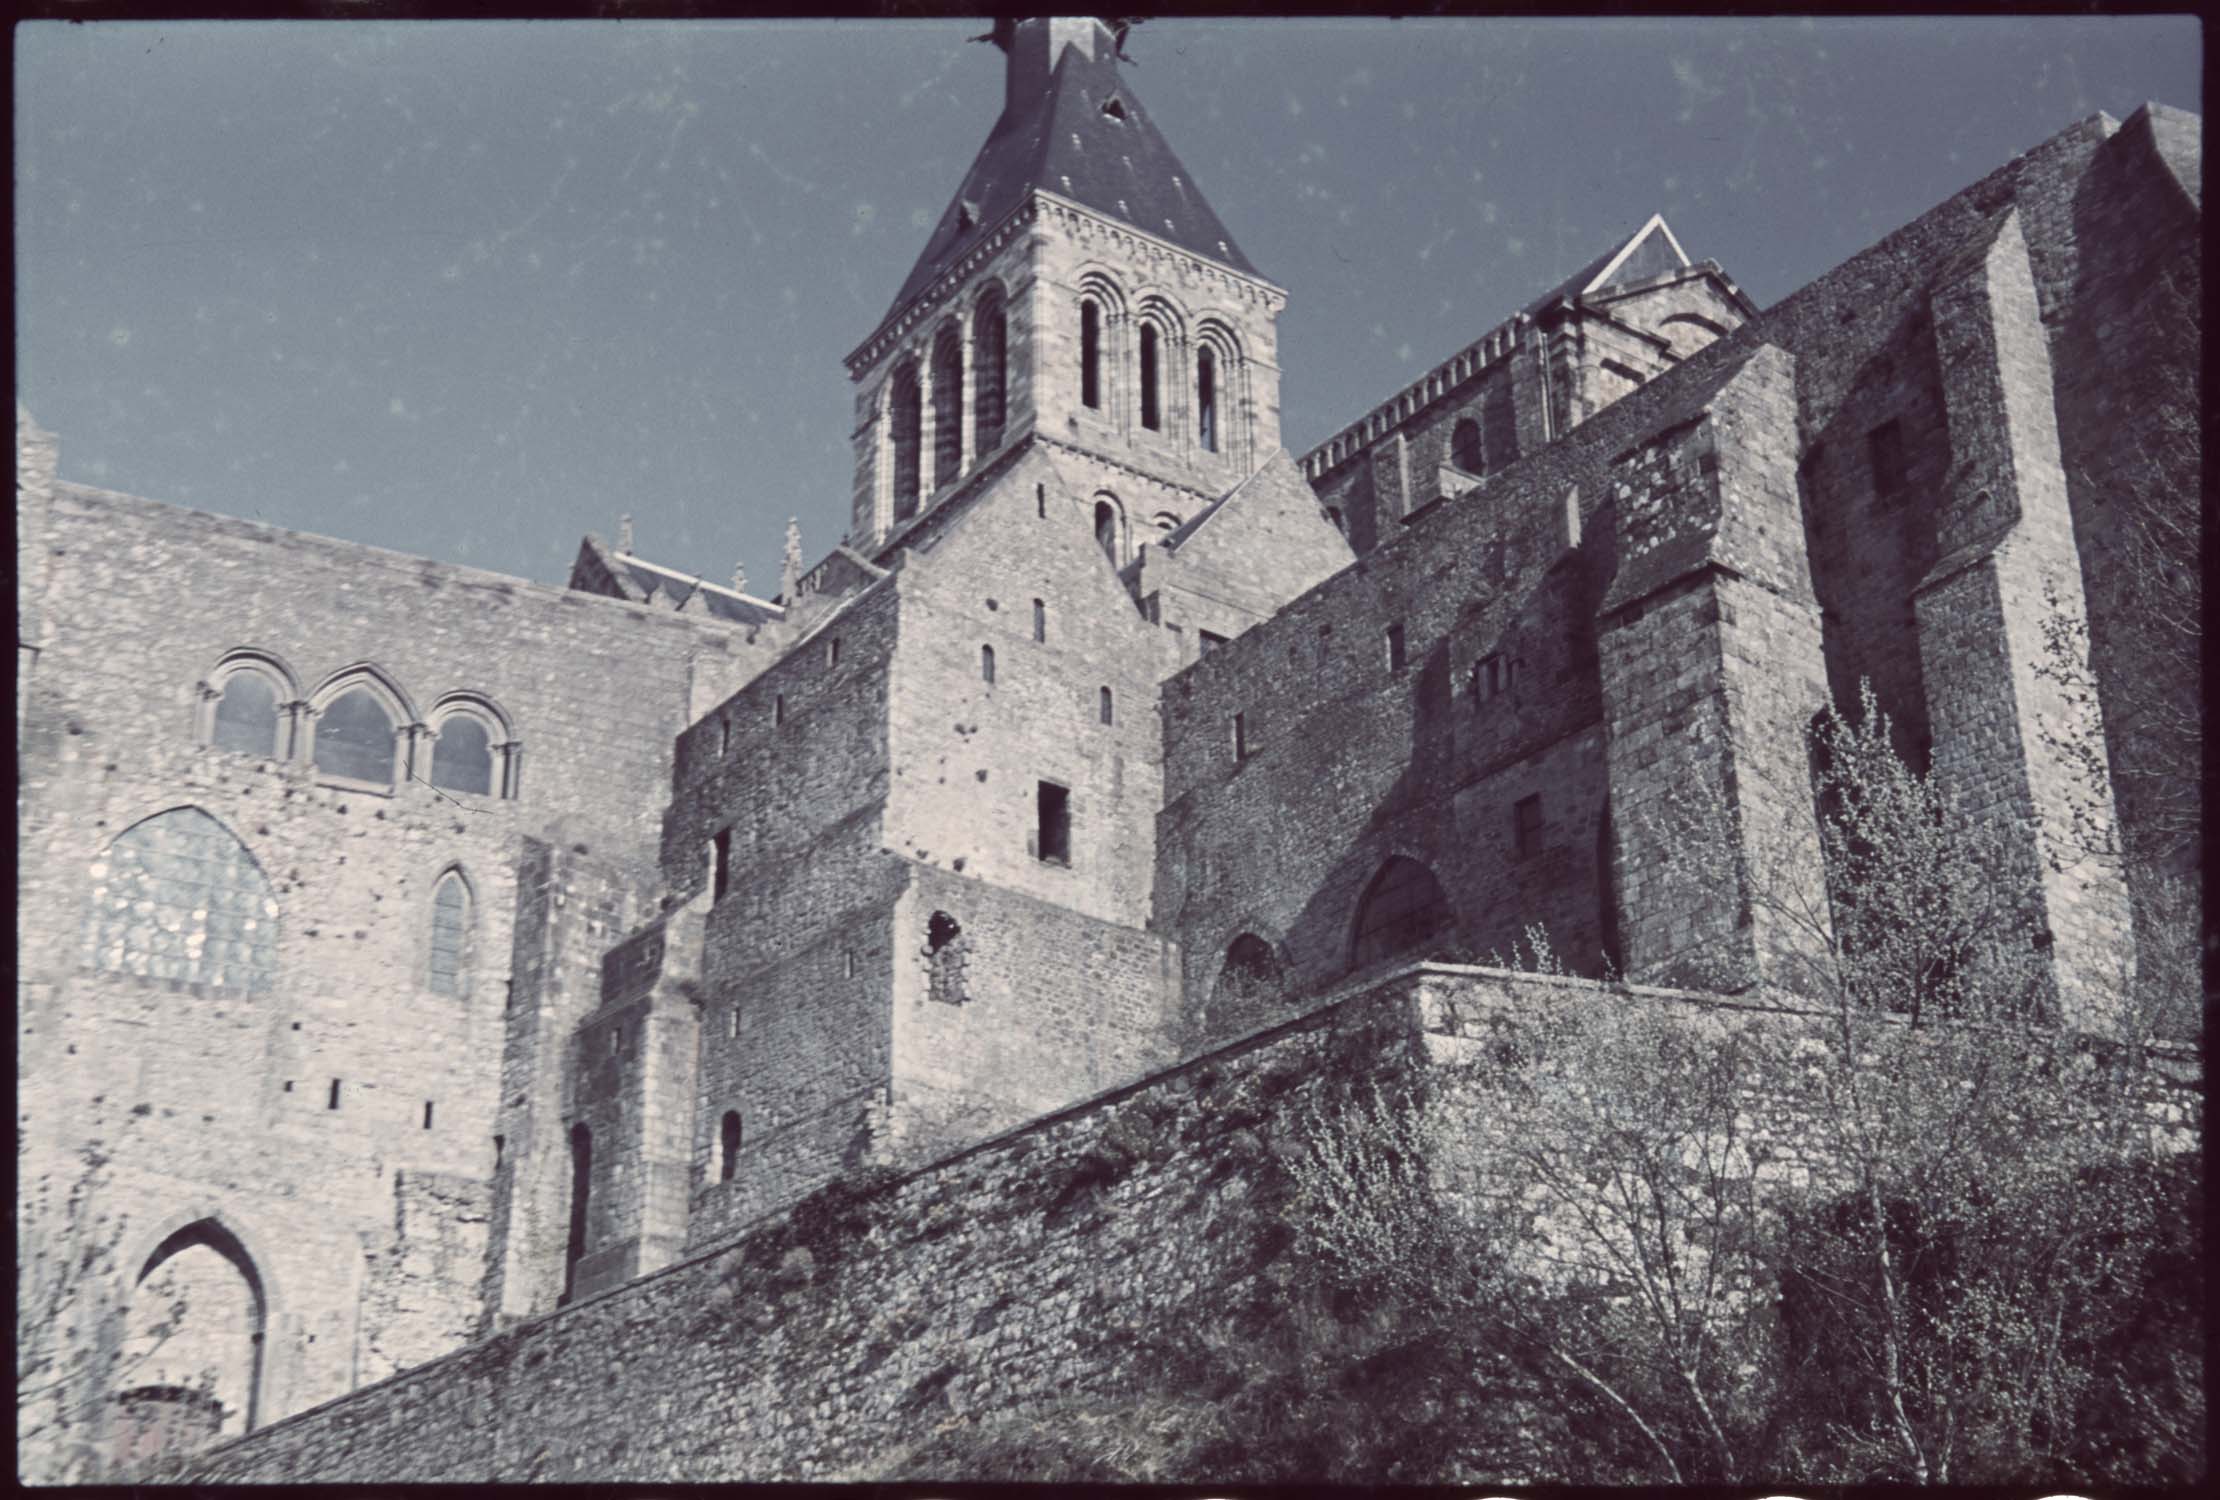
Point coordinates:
pixel 343 1113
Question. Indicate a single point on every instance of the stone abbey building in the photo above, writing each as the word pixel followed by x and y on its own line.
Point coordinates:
pixel 408 952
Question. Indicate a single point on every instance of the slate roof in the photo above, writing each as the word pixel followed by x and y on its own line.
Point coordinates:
pixel 1649 251
pixel 1061 139
pixel 691 593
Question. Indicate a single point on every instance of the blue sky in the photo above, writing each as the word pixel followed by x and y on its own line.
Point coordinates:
pixel 470 291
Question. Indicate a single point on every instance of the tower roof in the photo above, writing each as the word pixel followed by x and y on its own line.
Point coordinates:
pixel 1081 133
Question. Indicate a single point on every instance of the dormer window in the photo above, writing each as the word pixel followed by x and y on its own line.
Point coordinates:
pixel 1114 107
pixel 967 216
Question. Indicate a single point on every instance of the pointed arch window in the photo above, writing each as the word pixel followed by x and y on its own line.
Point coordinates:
pixel 1251 970
pixel 1206 398
pixel 1152 416
pixel 177 896
pixel 473 750
pixel 1090 354
pixel 990 365
pixel 247 715
pixel 1402 908
pixel 948 406
pixel 906 412
pixel 448 972
pixel 355 737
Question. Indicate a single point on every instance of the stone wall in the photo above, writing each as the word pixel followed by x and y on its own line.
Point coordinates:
pixel 337 1114
pixel 1079 1258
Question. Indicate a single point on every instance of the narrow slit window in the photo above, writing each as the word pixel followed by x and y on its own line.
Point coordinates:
pixel 1206 399
pixel 832 653
pixel 1090 354
pixel 448 971
pixel 986 665
pixel 728 1145
pixel 332 1102
pixel 720 865
pixel 1396 660
pixel 1240 738
pixel 427 1114
pixel 778 709
pixel 1040 620
pixel 1151 417
pixel 907 412
pixel 1108 708
pixel 1054 833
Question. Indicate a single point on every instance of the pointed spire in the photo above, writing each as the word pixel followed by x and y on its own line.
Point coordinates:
pixel 624 534
pixel 790 573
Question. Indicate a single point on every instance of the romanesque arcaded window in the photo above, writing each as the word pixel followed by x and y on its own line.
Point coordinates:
pixel 728 1145
pixel 176 896
pixel 1402 908
pixel 990 365
pixel 1464 447
pixel 247 715
pixel 947 951
pixel 906 413
pixel 948 406
pixel 449 970
pixel 354 738
pixel 1151 416
pixel 1206 399
pixel 1090 354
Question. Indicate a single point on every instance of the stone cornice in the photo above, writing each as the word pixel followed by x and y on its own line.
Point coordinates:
pixel 910 314
pixel 1489 349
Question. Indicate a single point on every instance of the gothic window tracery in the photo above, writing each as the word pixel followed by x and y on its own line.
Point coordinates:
pixel 177 896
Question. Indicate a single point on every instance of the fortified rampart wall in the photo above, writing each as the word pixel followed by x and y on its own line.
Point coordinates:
pixel 1077 1258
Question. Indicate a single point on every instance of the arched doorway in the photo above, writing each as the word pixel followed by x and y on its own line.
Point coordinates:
pixel 191 1366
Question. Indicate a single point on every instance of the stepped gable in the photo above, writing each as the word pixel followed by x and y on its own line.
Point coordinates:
pixel 1085 137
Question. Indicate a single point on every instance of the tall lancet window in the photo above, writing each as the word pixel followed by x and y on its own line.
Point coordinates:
pixel 907 415
pixel 1206 399
pixel 990 370
pixel 1090 353
pixel 1151 416
pixel 948 406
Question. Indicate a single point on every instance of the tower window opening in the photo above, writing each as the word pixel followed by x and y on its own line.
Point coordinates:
pixel 948 406
pixel 1053 836
pixel 1206 399
pixel 990 372
pixel 728 1145
pixel 1151 417
pixel 907 412
pixel 1090 354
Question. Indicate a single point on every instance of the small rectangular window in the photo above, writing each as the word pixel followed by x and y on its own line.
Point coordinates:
pixel 1240 737
pixel 832 653
pixel 427 1114
pixel 1040 501
pixel 1040 620
pixel 289 1085
pixel 1526 825
pixel 732 1020
pixel 333 1101
pixel 778 709
pixel 848 963
pixel 1108 708
pixel 500 1145
pixel 1054 834
pixel 1885 450
pixel 1208 641
pixel 1396 659
pixel 720 872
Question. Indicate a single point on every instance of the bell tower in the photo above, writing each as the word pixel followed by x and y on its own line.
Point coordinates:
pixel 1078 290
